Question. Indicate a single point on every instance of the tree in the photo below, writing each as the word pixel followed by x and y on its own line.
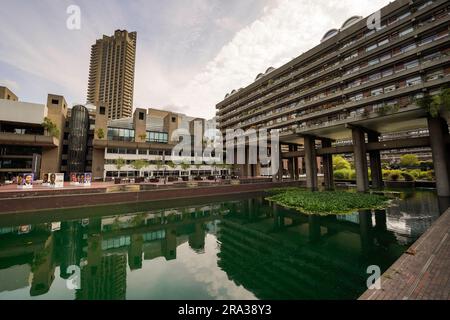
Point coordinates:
pixel 100 133
pixel 119 163
pixel 138 165
pixel 50 127
pixel 339 162
pixel 185 165
pixel 409 160
pixel 435 104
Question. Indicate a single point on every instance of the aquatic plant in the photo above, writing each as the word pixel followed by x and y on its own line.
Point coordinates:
pixel 327 202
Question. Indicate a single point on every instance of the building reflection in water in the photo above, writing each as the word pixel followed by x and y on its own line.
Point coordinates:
pixel 103 248
pixel 271 251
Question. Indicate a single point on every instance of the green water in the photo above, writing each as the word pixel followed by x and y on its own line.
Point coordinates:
pixel 245 248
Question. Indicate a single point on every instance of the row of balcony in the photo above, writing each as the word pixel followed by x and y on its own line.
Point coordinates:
pixel 331 68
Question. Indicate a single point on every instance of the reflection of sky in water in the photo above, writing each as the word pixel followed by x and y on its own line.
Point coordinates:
pixel 190 275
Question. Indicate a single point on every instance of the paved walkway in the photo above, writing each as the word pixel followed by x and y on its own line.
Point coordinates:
pixel 423 272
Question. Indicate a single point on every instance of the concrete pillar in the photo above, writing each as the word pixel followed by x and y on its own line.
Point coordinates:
pixel 360 159
pixel 327 160
pixel 311 162
pixel 276 154
pixel 375 163
pixel 438 129
pixel 296 168
pixel 291 168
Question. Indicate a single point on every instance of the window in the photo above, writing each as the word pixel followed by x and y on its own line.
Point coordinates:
pixel 376 92
pixel 412 64
pixel 374 61
pixel 405 32
pixel 413 81
pixel 387 72
pixel 55 101
pixel 141 116
pixel 120 134
pixel 102 110
pixel 157 137
pixel 370 48
pixel 383 42
pixel 385 57
pixel 389 88
pixel 174 119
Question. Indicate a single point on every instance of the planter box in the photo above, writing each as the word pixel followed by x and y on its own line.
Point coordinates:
pixel 192 184
pixel 400 184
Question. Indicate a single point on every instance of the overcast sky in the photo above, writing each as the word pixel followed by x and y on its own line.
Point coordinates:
pixel 189 53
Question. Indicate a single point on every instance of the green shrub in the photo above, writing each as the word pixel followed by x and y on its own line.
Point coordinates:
pixel 342 174
pixel 395 175
pixel 415 173
pixel 409 160
pixel 407 176
pixel 426 175
pixel 340 163
pixel 386 173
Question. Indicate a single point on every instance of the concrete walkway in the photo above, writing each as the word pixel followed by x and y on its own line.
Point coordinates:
pixel 423 272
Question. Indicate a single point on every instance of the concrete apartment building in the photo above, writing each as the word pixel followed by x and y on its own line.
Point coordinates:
pixel 111 73
pixel 25 146
pixel 355 88
pixel 7 94
pixel 87 141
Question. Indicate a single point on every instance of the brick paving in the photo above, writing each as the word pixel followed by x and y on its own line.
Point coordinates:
pixel 423 271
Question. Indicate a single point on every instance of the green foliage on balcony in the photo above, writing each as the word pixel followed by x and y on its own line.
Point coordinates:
pixel 50 127
pixel 100 133
pixel 435 104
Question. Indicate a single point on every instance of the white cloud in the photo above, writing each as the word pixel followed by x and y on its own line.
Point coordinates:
pixel 281 34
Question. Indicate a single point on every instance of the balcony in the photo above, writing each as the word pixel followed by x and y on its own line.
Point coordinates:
pixel 30 140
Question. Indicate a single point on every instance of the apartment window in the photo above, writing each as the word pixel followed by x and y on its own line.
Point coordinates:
pixel 174 119
pixel 388 72
pixel 370 48
pixel 376 92
pixel 142 152
pixel 389 88
pixel 412 64
pixel 383 42
pixel 102 110
pixel 141 116
pixel 55 101
pixel 413 81
pixel 385 57
pixel 373 62
pixel 409 47
pixel 405 32
pixel 426 41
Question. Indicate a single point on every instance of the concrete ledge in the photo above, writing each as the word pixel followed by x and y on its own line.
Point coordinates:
pixel 48 202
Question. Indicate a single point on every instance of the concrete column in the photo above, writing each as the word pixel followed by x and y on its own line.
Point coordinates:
pixel 311 163
pixel 291 168
pixel 276 154
pixel 375 163
pixel 360 159
pixel 296 168
pixel 327 166
pixel 438 129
